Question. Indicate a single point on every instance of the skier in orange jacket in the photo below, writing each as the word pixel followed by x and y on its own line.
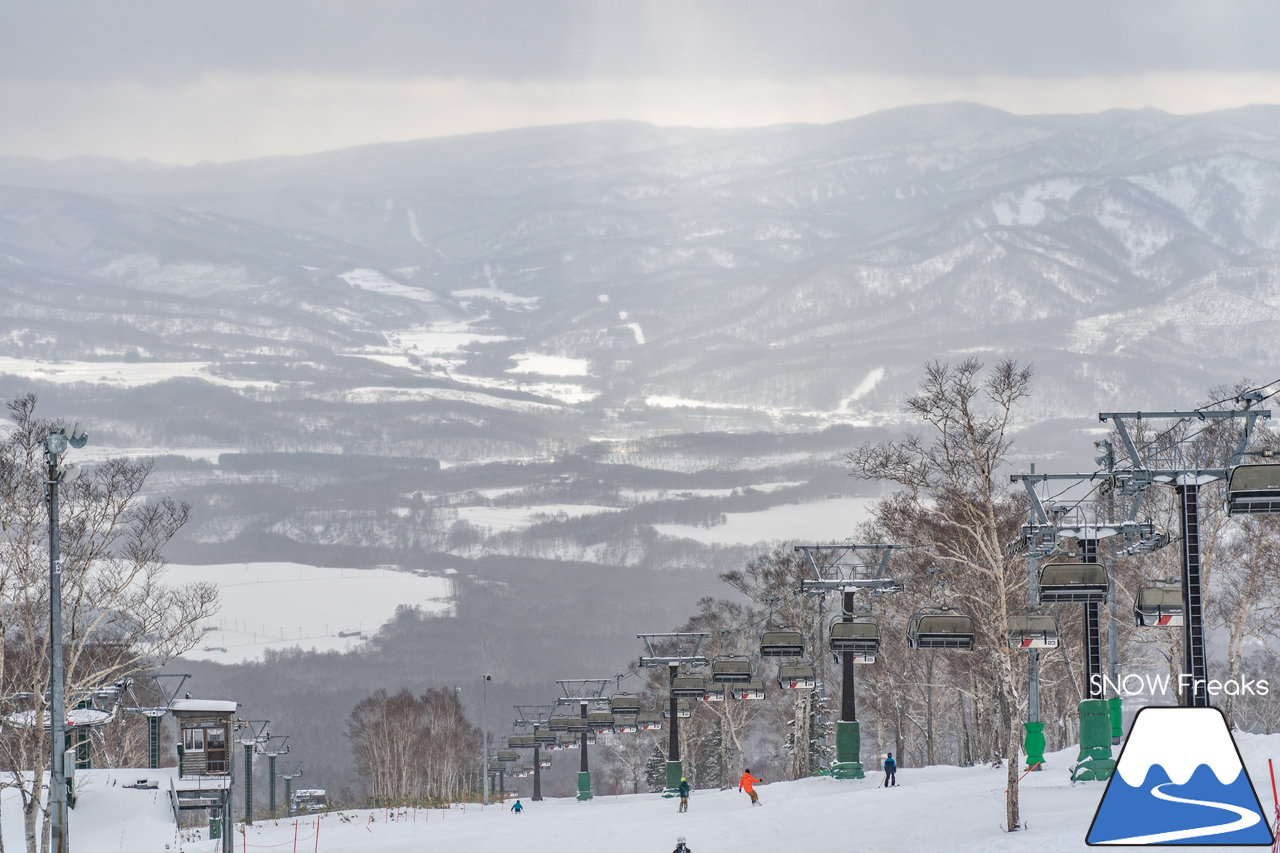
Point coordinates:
pixel 746 783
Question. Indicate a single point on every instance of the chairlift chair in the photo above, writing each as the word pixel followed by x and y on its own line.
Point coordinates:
pixel 1062 583
pixel 688 687
pixel 860 637
pixel 649 722
pixel 683 710
pixel 716 693
pixel 1033 631
pixel 561 722
pixel 782 643
pixel 544 760
pixel 506 756
pixel 542 737
pixel 626 724
pixel 1160 606
pixel 567 741
pixel 940 628
pixel 731 670
pixel 1253 489
pixel 797 676
pixel 520 742
pixel 601 722
pixel 624 704
pixel 753 689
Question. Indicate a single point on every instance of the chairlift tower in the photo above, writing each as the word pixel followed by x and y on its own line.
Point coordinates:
pixel 845 570
pixel 537 717
pixel 288 789
pixel 684 648
pixel 584 692
pixel 138 703
pixel 1085 522
pixel 1186 467
pixel 273 747
pixel 253 734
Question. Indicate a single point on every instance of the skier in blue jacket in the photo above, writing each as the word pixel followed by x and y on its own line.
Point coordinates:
pixel 890 772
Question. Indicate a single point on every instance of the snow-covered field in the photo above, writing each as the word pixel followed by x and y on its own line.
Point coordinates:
pixel 121 374
pixel 821 521
pixel 282 605
pixel 498 518
pixel 953 809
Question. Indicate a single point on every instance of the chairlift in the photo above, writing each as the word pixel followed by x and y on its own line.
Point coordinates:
pixel 731 670
pixel 520 742
pixel 683 710
pixel 782 643
pixel 688 687
pixel 1033 631
pixel 561 722
pixel 753 689
pixel 624 704
pixel 507 755
pixel 545 736
pixel 1160 606
pixel 625 725
pixel 544 760
pixel 860 637
pixel 797 676
pixel 649 722
pixel 567 741
pixel 601 722
pixel 940 628
pixel 1062 583
pixel 716 693
pixel 1253 489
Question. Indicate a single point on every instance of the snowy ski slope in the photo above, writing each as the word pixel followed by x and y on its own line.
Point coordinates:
pixel 953 809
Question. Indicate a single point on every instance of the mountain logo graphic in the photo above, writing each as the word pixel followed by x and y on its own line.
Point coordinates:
pixel 1180 781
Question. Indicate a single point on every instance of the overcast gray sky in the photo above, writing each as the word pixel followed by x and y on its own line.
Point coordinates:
pixel 190 80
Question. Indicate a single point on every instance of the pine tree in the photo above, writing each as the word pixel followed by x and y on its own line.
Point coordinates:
pixel 655 769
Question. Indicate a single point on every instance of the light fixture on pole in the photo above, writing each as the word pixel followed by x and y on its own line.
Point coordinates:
pixel 55 447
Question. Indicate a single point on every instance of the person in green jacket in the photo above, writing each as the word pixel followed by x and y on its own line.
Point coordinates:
pixel 684 794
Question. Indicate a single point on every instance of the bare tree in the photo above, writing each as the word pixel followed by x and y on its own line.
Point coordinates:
pixel 955 505
pixel 413 749
pixel 119 615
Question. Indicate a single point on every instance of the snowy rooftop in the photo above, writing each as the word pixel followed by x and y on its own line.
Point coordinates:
pixel 217 706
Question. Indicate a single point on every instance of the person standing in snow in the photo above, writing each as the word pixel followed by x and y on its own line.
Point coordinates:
pixel 680 846
pixel 890 772
pixel 517 808
pixel 747 783
pixel 684 794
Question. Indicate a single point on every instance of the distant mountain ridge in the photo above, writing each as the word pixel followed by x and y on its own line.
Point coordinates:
pixel 773 267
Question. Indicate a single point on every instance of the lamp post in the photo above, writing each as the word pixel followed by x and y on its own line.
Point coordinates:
pixel 55 446
pixel 484 737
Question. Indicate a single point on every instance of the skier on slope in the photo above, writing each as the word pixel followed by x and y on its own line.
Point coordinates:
pixel 683 790
pixel 680 846
pixel 747 783
pixel 890 772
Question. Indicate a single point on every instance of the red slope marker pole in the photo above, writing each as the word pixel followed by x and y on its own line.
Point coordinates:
pixel 1275 798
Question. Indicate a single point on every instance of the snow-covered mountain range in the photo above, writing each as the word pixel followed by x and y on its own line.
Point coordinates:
pixel 523 360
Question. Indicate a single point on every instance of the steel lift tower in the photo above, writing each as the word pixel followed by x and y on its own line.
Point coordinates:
pixel 585 692
pixel 840 567
pixel 1186 466
pixel 672 651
